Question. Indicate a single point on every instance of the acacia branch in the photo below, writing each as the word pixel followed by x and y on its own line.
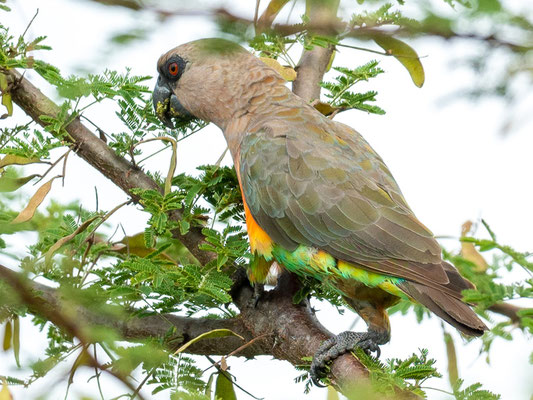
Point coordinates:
pixel 313 63
pixel 176 330
pixel 289 331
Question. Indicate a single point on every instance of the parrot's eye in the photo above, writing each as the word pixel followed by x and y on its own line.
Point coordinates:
pixel 173 68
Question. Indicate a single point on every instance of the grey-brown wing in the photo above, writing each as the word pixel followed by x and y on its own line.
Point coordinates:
pixel 333 192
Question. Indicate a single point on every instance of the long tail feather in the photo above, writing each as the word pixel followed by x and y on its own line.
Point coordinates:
pixel 450 309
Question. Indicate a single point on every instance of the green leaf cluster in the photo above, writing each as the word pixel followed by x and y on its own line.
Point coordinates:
pixel 340 95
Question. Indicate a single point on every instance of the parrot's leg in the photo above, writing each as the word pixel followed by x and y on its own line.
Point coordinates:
pixel 259 290
pixel 375 315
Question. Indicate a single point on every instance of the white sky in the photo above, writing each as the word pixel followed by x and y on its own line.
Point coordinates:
pixel 450 160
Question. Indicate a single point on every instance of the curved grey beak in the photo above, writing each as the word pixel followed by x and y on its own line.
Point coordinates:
pixel 167 105
pixel 161 99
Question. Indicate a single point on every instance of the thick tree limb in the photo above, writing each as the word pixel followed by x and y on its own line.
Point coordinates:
pixel 51 304
pixel 296 333
pixel 291 331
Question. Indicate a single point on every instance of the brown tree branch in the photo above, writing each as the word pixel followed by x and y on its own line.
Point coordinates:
pixel 290 331
pixel 335 26
pixel 313 63
pixel 295 331
pixel 50 303
pixel 508 310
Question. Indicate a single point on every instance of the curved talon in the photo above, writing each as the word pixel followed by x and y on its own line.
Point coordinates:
pixel 344 342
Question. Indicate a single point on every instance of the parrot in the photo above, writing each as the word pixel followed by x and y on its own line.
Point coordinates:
pixel 318 200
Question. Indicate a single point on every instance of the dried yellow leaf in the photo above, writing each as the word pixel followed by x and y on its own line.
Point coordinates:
pixel 4 393
pixel 287 73
pixel 12 159
pixel 324 108
pixel 28 212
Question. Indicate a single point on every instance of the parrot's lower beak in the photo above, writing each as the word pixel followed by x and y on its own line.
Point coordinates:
pixel 167 106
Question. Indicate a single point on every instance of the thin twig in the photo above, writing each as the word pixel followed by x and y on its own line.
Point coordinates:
pixel 52 166
pixel 31 21
pixel 227 375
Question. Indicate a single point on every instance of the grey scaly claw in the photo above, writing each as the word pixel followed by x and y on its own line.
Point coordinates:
pixel 338 345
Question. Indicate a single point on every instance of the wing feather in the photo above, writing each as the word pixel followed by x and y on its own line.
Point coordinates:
pixel 333 192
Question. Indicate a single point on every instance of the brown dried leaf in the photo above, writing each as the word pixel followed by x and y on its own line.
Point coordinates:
pixel 469 251
pixel 223 364
pixel 28 212
pixel 64 240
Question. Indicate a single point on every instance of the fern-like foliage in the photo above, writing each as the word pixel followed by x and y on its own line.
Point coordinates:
pixel 472 392
pixel 340 95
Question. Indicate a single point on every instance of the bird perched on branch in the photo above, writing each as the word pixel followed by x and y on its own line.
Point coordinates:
pixel 318 199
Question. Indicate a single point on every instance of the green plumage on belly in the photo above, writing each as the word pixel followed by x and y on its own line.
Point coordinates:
pixel 307 261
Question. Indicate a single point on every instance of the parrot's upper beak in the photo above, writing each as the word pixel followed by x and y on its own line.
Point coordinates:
pixel 167 105
pixel 161 99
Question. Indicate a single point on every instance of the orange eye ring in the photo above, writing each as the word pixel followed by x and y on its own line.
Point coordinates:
pixel 173 69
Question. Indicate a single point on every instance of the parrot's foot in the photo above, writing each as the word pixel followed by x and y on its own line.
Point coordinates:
pixel 259 289
pixel 340 344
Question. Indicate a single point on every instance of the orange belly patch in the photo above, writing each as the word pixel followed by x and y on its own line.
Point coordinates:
pixel 260 242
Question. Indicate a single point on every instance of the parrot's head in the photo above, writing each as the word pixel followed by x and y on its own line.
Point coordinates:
pixel 199 80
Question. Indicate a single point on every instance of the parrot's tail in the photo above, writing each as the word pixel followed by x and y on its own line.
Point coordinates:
pixel 449 308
